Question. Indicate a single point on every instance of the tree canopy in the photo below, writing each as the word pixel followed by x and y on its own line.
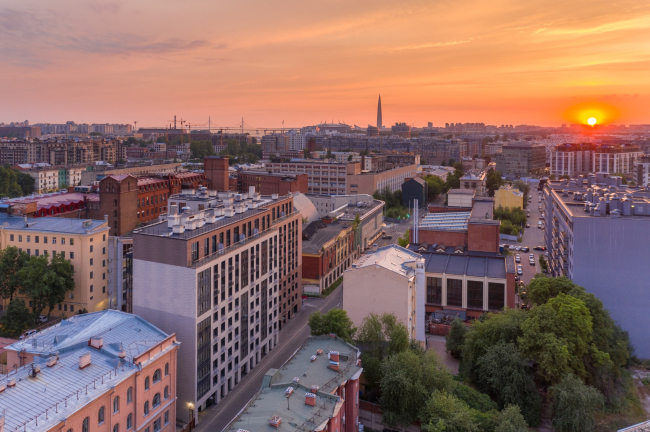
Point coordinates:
pixel 334 321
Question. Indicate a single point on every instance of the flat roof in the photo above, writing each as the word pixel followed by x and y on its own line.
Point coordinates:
pixel 483 212
pixel 470 264
pixel 390 257
pixel 322 236
pixel 57 225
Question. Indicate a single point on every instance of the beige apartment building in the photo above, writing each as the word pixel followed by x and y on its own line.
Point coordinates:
pixel 346 178
pixel 83 242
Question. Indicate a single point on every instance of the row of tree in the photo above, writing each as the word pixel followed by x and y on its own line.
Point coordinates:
pixel 566 347
pixel 43 280
pixel 14 183
pixel 411 384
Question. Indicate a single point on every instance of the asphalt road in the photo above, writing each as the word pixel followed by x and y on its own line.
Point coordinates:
pixel 533 236
pixel 215 418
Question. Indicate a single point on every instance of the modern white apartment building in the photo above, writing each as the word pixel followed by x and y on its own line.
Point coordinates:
pixel 575 159
pixel 225 278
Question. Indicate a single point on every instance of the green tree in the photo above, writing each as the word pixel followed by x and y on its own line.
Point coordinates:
pixel 16 319
pixel 25 181
pixel 494 328
pixel 407 380
pixel 201 149
pixel 557 336
pixel 9 186
pixel 493 181
pixel 46 283
pixel 445 412
pixel 503 374
pixel 436 186
pixel 378 337
pixel 405 239
pixel 455 339
pixel 511 420
pixel 334 321
pixel 574 405
pixel 11 261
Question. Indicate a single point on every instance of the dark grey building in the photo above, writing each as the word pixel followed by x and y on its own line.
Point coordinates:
pixel 521 159
pixel 415 189
pixel 598 235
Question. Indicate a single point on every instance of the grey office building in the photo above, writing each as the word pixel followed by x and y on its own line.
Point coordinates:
pixel 521 159
pixel 598 235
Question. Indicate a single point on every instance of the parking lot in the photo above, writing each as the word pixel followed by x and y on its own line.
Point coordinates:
pixel 532 237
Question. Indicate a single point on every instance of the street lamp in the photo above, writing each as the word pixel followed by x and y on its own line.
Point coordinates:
pixel 190 406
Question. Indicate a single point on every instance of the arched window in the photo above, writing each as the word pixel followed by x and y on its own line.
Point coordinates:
pixel 146 383
pixel 69 430
pixel 129 395
pixel 116 404
pixel 166 369
pixel 157 376
pixel 85 426
pixel 129 421
pixel 156 400
pixel 116 428
pixel 100 416
pixel 166 393
pixel 146 408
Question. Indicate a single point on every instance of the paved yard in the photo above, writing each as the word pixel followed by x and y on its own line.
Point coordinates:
pixel 437 343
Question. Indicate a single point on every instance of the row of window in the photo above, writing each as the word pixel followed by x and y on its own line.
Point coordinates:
pixel 157 424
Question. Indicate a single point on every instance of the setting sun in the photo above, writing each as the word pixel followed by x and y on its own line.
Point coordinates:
pixel 592 121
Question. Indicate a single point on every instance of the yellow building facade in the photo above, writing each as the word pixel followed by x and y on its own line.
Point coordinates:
pixel 507 196
pixel 83 242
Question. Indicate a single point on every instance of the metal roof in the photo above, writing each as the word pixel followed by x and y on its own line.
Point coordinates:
pixel 446 221
pixel 58 225
pixel 64 385
pixel 391 257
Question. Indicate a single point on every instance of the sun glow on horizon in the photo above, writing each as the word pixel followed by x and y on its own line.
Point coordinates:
pixel 592 121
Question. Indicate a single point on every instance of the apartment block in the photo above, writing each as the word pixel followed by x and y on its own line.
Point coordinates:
pixel 345 208
pixel 316 390
pixel 642 171
pixel 521 159
pixel 474 180
pixel 345 178
pixel 48 178
pixel 328 249
pixel 575 159
pixel 597 233
pixel 226 278
pixel 103 371
pixel 82 241
pixel 384 280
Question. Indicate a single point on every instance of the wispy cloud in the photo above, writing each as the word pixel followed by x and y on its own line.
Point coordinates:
pixel 105 7
pixel 426 45
pixel 127 44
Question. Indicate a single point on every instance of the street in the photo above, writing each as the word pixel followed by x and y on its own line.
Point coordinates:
pixel 533 236
pixel 215 418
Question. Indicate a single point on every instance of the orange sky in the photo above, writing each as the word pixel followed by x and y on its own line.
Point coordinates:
pixel 492 61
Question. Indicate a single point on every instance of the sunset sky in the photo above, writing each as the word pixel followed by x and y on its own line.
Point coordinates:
pixel 492 61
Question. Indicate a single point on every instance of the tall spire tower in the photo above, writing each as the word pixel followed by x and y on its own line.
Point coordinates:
pixel 379 120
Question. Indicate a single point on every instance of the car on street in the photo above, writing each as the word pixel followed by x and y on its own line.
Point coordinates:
pixel 532 262
pixel 519 270
pixel 525 249
pixel 42 318
pixel 517 258
pixel 539 248
pixel 387 236
pixel 527 225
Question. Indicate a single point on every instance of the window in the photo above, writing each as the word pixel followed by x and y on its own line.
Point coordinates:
pixel 62 240
pixel 85 426
pixel 455 292
pixel 496 296
pixel 36 239
pixel 29 239
pixel 53 240
pixel 434 290
pixel 44 239
pixel 156 400
pixel 11 237
pixel 92 261
pixel 116 404
pixel 20 238
pixel 71 242
pixel 157 376
pixel 129 421
pixel 156 425
pixel 166 369
pixel 475 294
pixel 100 416
pixel 91 273
pixel 71 255
pixel 166 393
pixel 91 248
pixel 146 383
pixel 146 408
pixel 116 428
pixel 129 395
pixel 166 417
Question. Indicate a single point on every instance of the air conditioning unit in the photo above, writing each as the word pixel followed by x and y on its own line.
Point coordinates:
pixel 110 270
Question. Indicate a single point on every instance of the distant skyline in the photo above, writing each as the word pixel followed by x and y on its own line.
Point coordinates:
pixel 542 62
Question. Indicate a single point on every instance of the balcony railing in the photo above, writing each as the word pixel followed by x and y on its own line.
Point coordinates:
pixel 229 249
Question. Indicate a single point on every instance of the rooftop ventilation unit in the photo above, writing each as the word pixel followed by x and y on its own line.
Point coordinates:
pixel 310 399
pixel 275 421
pixel 51 361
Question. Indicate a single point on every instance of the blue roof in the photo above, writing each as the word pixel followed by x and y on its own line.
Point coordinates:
pixel 57 225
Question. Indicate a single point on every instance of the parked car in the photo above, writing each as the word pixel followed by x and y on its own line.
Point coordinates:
pixel 532 262
pixel 42 318
pixel 525 249
pixel 519 271
pixel 27 334
pixel 387 237
pixel 527 225
pixel 539 248
pixel 517 258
